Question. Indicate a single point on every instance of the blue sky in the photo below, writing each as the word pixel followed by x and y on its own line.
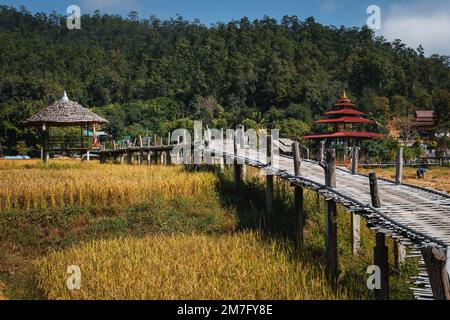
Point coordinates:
pixel 425 22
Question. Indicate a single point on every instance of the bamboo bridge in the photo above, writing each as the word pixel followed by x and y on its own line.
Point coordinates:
pixel 415 217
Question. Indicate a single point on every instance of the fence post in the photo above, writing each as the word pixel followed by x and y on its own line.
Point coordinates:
pixel 435 261
pixel 331 217
pixel 299 215
pixel 355 156
pixel 399 167
pixel 380 252
pixel 321 151
pixel 269 179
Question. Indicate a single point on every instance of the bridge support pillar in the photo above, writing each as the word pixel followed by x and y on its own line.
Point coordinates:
pixel 46 157
pixel 237 168
pixel 299 214
pixel 436 260
pixel 269 194
pixel 380 257
pixel 331 218
pixel 399 254
pixel 356 233
pixel 331 240
pixel 380 252
pixel 129 157
pixel 269 180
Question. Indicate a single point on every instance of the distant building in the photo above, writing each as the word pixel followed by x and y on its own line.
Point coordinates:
pixel 425 122
pixel 343 121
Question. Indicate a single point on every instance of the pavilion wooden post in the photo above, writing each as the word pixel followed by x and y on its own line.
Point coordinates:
pixel 46 155
pixel 380 253
pixel 399 167
pixel 331 218
pixel 299 215
pixel 237 168
pixel 269 179
pixel 436 260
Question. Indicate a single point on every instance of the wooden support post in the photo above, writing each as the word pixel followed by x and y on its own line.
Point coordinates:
pixel 399 167
pixel 299 214
pixel 149 158
pixel 46 156
pixel 88 156
pixel 435 261
pixel 269 179
pixel 237 172
pixel 355 156
pixel 356 233
pixel 380 252
pixel 399 254
pixel 168 158
pixel 129 157
pixel 331 218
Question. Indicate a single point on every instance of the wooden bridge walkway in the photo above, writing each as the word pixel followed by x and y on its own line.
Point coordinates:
pixel 415 217
pixel 412 214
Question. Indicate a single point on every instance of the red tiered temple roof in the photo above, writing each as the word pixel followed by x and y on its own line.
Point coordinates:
pixel 344 112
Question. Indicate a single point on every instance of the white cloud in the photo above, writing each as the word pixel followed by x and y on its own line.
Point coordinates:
pixel 425 23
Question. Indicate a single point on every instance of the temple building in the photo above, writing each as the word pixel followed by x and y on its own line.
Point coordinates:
pixel 343 121
pixel 425 122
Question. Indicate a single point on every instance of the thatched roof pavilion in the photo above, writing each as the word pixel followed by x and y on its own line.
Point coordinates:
pixel 65 113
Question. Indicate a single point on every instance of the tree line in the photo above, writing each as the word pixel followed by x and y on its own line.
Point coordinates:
pixel 149 76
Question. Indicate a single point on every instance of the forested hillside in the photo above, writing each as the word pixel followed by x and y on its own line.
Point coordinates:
pixel 150 76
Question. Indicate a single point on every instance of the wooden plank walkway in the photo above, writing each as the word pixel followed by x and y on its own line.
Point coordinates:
pixel 412 215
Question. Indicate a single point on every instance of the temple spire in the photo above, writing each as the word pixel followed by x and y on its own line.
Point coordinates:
pixel 344 95
pixel 65 98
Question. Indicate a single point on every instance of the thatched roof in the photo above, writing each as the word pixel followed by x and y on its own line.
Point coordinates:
pixel 65 112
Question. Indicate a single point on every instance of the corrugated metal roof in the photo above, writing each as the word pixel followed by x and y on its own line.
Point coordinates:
pixel 369 135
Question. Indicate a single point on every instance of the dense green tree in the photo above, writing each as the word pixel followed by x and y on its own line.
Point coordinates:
pixel 151 76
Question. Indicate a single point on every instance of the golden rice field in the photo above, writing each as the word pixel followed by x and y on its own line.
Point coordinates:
pixel 30 185
pixel 164 232
pixel 235 266
pixel 436 177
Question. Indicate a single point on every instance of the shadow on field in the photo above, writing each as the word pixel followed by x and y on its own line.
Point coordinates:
pixel 249 204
